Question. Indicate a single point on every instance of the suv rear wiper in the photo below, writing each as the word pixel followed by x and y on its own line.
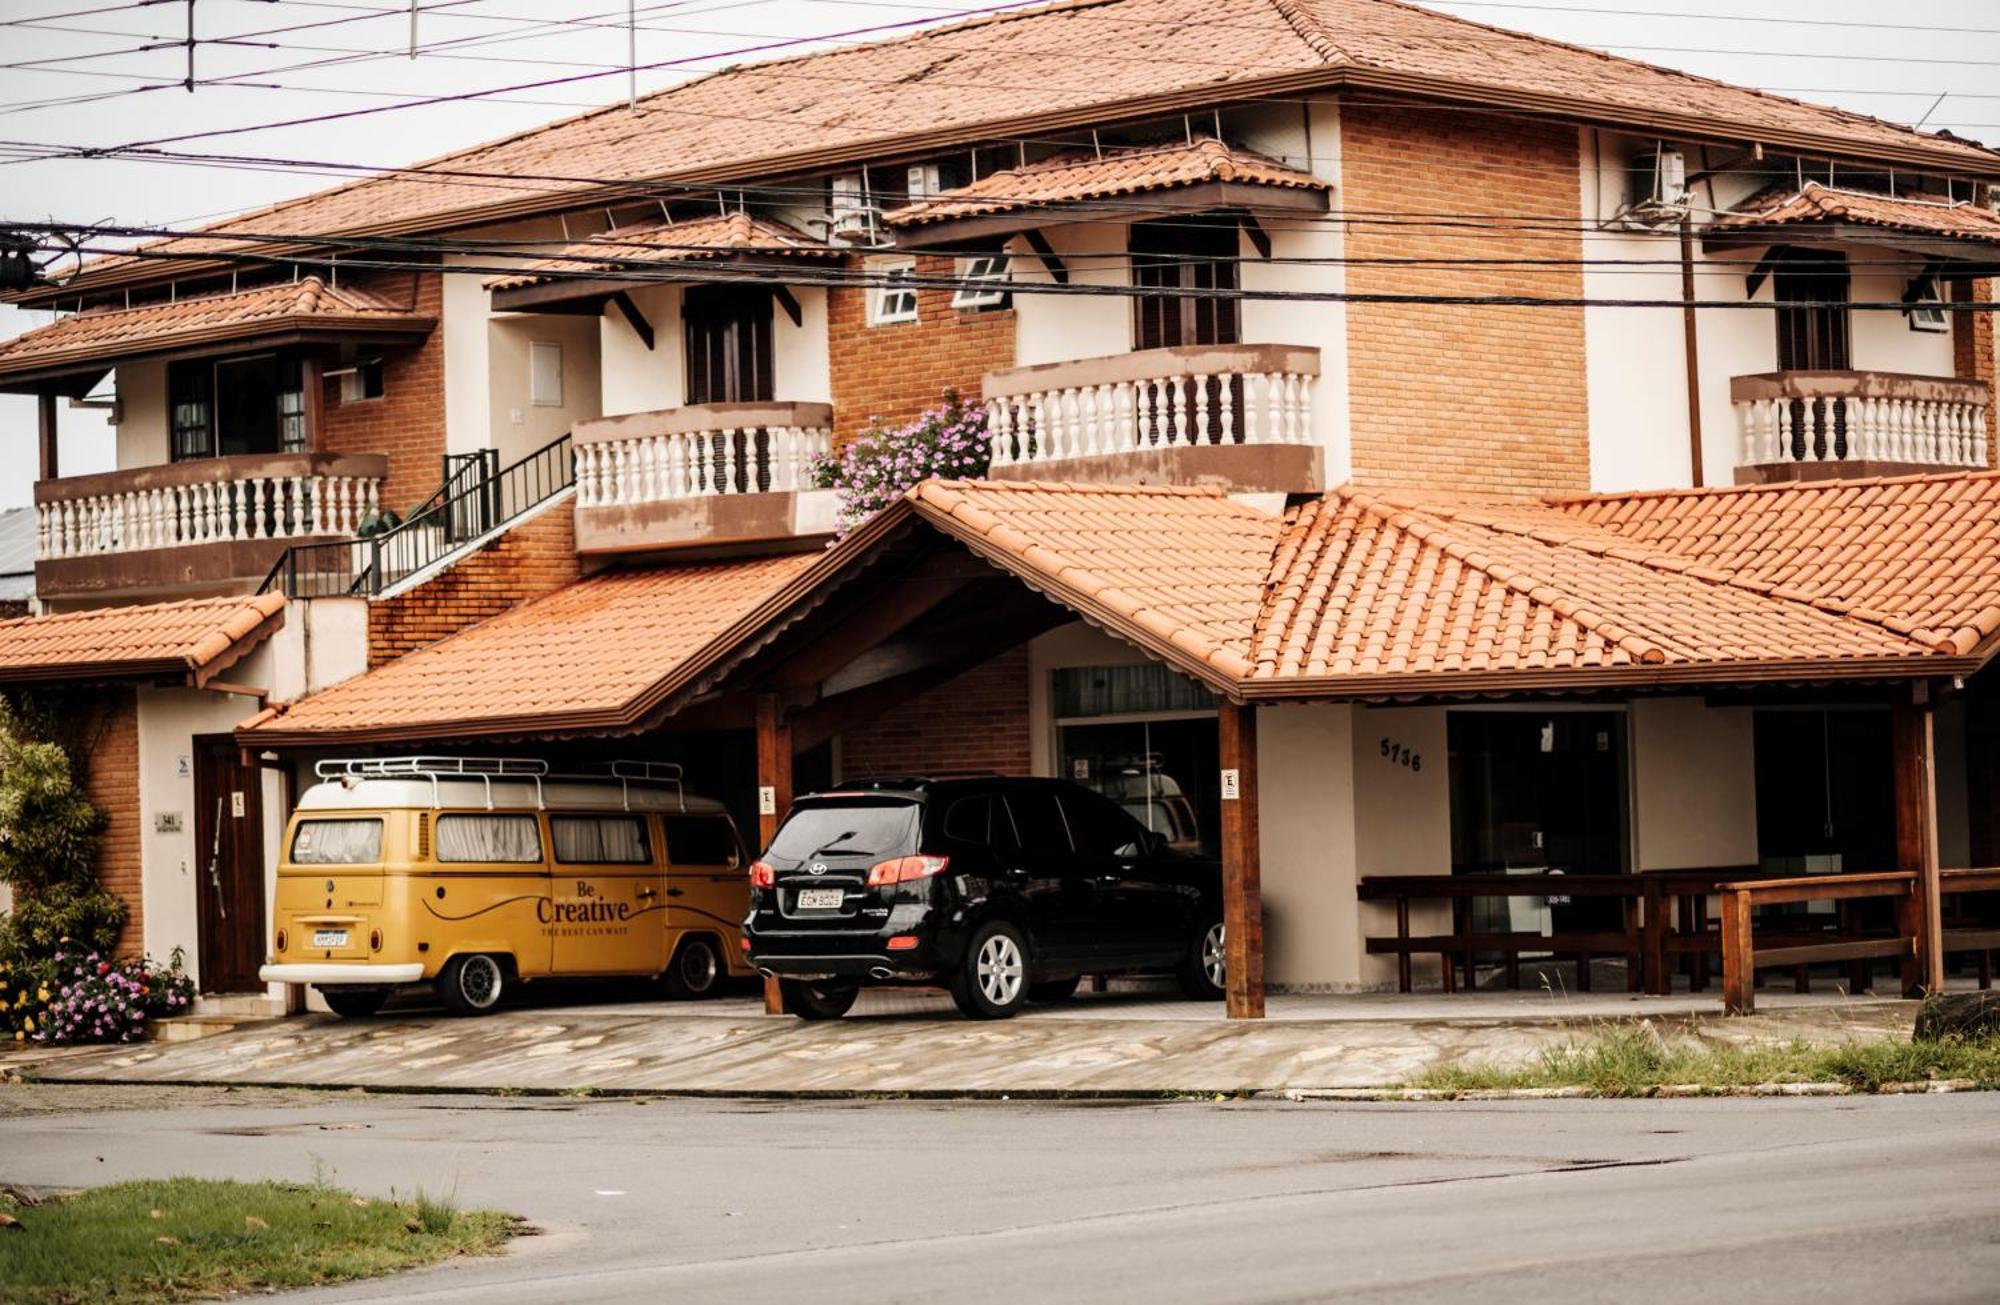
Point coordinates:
pixel 832 843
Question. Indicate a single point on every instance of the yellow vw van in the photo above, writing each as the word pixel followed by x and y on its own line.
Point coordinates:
pixel 474 874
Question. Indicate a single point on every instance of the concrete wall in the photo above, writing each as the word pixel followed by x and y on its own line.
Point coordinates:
pixel 1307 813
pixel 141 435
pixel 518 426
pixel 638 379
pixel 322 642
pixel 1694 784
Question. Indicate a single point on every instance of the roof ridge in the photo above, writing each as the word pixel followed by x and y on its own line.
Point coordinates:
pixel 1312 31
pixel 1836 485
pixel 1602 541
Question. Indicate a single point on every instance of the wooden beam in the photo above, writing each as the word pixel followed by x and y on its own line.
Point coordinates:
pixel 1691 353
pixel 1047 253
pixel 790 303
pixel 45 411
pixel 1242 877
pixel 774 796
pixel 313 382
pixel 1914 739
pixel 635 319
pixel 1260 239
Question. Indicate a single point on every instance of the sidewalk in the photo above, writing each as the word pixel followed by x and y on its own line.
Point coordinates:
pixel 904 1043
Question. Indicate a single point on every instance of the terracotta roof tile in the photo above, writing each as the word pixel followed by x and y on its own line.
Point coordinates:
pixel 699 240
pixel 1069 178
pixel 1165 567
pixel 1075 57
pixel 104 335
pixel 594 654
pixel 1920 551
pixel 1820 204
pixel 192 640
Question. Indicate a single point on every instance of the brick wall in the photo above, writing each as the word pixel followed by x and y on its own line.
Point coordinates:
pixel 407 422
pixel 978 721
pixel 527 561
pixel 895 372
pixel 112 782
pixel 1464 398
pixel 1972 350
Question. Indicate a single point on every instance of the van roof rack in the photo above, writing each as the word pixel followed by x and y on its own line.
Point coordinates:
pixel 349 770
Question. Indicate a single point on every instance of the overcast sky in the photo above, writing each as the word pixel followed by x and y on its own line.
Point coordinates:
pixel 66 62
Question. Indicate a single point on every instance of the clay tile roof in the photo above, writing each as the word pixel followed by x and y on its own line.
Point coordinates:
pixel 190 641
pixel 700 240
pixel 1177 571
pixel 1060 64
pixel 1920 551
pixel 1070 178
pixel 1818 204
pixel 102 336
pixel 599 654
pixel 1365 586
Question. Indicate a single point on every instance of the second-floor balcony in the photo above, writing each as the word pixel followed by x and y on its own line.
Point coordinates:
pixel 701 473
pixel 206 522
pixel 1240 415
pixel 1809 424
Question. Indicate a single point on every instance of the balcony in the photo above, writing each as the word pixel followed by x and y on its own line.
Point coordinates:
pixel 1238 415
pixel 706 473
pixel 1812 425
pixel 212 523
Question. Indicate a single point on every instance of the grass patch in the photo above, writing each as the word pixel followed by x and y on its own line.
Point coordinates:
pixel 185 1238
pixel 1625 1060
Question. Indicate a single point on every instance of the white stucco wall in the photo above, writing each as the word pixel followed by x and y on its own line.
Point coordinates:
pixel 635 378
pixel 468 412
pixel 322 642
pixel 520 427
pixel 141 434
pixel 1061 328
pixel 1306 823
pixel 1694 784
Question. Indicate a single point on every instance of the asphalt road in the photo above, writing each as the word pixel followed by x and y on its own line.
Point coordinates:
pixel 1879 1200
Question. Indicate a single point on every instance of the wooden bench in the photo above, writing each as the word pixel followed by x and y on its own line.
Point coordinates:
pixel 1742 957
pixel 1981 937
pixel 1462 946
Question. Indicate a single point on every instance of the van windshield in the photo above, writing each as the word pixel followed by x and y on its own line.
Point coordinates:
pixel 861 827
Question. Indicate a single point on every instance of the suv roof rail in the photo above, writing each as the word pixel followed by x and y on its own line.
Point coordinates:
pixel 914 781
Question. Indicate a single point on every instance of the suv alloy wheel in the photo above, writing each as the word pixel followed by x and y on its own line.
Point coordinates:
pixel 992 981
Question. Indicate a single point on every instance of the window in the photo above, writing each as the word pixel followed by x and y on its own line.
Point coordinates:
pixel 990 273
pixel 1126 691
pixel 1185 255
pixel 857 827
pixel 486 839
pixel 968 820
pixel 1812 334
pixel 1101 829
pixel 362 381
pixel 727 330
pixel 896 300
pixel 701 840
pixel 337 842
pixel 600 840
pixel 224 406
pixel 1926 310
pixel 545 374
pixel 189 387
pixel 1038 822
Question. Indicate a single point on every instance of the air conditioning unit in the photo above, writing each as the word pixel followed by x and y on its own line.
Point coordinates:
pixel 855 221
pixel 924 181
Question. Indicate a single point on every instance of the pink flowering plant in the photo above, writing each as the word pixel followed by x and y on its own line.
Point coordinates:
pixel 879 467
pixel 95 999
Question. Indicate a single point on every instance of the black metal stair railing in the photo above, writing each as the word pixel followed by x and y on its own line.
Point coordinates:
pixel 476 498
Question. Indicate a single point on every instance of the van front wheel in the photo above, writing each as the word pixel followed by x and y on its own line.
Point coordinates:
pixel 471 985
pixel 696 970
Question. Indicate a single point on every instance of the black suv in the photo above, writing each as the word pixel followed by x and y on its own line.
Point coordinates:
pixel 1004 890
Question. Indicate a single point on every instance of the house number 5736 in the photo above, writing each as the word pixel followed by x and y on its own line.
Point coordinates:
pixel 1402 756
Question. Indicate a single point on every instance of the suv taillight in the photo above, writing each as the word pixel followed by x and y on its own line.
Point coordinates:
pixel 903 869
pixel 761 875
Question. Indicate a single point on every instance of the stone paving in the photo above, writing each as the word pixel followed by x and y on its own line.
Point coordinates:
pixel 914 1043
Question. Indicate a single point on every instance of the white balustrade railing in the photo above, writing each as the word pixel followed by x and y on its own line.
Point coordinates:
pixel 699 451
pixel 1152 399
pixel 1877 417
pixel 196 511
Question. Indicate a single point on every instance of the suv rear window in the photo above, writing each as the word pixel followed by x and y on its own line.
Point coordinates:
pixel 856 827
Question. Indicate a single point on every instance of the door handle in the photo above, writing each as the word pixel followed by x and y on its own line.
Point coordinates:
pixel 644 893
pixel 676 892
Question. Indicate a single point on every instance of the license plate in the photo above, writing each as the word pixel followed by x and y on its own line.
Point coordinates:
pixel 330 938
pixel 821 899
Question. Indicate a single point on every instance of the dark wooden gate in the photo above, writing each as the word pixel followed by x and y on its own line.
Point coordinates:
pixel 229 841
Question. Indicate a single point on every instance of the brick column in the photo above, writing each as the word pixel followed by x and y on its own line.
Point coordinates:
pixel 1972 350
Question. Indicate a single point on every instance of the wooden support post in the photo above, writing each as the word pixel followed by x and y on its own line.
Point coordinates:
pixel 1739 956
pixel 1242 882
pixel 1913 730
pixel 312 382
pixel 45 410
pixel 774 795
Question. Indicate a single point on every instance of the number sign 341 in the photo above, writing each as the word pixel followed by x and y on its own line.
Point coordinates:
pixel 1401 755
